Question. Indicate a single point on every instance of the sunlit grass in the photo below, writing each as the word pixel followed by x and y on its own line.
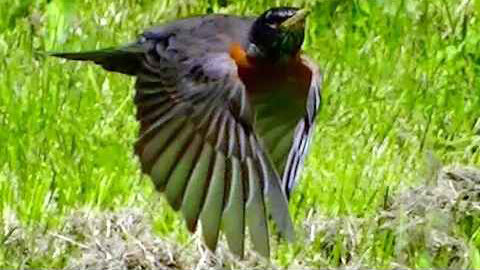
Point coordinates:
pixel 400 94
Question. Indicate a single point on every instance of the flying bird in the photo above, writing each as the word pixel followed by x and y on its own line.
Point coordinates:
pixel 227 107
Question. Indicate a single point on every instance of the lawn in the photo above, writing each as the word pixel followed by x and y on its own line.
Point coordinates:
pixel 386 183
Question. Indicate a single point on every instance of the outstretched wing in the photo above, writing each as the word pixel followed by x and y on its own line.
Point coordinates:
pixel 198 145
pixel 303 132
pixel 285 117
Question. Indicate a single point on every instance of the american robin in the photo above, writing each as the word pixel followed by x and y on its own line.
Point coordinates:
pixel 226 106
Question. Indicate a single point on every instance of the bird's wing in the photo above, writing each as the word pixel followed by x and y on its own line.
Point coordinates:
pixel 198 145
pixel 304 129
pixel 285 120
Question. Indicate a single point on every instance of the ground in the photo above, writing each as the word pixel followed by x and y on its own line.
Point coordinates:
pixel 390 181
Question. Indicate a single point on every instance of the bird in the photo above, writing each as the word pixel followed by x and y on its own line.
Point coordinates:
pixel 226 107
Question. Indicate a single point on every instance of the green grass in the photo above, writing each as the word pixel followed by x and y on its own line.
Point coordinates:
pixel 400 86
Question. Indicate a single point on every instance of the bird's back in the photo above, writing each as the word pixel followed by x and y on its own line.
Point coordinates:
pixel 197 36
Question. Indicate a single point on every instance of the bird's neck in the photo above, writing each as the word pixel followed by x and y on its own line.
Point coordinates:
pixel 252 56
pixel 275 58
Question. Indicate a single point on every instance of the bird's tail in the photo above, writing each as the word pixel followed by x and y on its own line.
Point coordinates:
pixel 126 60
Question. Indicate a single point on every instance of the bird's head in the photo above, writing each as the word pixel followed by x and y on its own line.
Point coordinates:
pixel 278 33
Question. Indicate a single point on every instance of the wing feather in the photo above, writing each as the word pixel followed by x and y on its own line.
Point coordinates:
pixel 234 213
pixel 179 178
pixel 168 159
pixel 159 141
pixel 255 213
pixel 194 195
pixel 213 207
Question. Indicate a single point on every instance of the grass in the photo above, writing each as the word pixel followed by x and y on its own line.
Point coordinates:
pixel 401 99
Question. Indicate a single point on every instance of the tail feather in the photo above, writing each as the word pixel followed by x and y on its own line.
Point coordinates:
pixel 126 60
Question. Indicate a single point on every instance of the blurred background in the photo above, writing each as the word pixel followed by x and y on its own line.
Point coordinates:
pixel 390 181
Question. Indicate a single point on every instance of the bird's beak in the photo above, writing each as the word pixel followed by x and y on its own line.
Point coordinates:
pixel 297 21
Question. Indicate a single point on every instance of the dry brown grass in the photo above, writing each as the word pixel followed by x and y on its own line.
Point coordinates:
pixel 421 217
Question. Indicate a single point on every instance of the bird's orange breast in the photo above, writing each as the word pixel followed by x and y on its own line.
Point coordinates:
pixel 260 77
